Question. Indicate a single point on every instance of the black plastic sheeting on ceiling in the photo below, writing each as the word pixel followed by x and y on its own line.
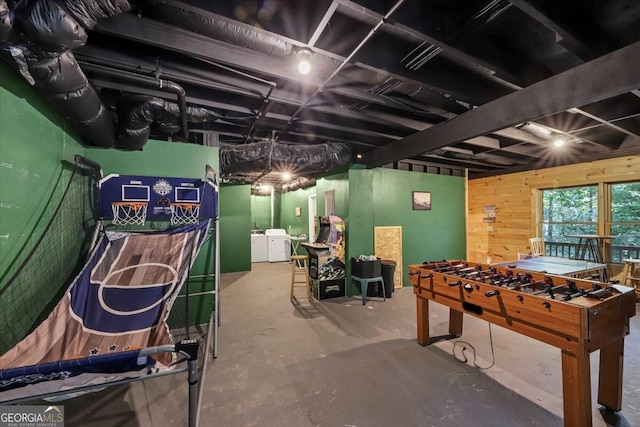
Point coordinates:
pixel 37 38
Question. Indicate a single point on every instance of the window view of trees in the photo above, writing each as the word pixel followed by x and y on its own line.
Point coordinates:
pixel 568 211
pixel 625 219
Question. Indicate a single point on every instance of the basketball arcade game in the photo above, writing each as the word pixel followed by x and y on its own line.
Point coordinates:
pixel 151 202
pixel 575 315
pixel 112 325
pixel 129 200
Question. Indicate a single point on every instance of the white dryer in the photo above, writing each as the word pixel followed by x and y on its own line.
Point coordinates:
pixel 279 245
pixel 259 248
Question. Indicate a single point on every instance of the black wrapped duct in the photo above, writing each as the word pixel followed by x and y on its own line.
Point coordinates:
pixel 136 114
pixel 266 156
pixel 6 21
pixel 36 38
pixel 181 15
pixel 62 82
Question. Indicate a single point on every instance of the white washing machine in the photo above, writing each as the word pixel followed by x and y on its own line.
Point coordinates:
pixel 279 244
pixel 259 248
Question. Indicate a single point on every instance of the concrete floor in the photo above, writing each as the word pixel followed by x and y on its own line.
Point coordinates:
pixel 339 363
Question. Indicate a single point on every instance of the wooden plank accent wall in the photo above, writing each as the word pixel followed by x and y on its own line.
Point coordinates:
pixel 516 197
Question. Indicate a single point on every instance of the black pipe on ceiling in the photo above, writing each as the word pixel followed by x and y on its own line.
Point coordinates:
pixel 149 82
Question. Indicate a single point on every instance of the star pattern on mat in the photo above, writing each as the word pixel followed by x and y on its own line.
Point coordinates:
pixel 94 351
pixel 113 348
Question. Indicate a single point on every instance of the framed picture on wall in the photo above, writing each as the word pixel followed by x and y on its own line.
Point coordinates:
pixel 421 200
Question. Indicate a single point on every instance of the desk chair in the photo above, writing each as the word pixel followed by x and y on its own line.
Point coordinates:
pixel 537 246
pixel 299 271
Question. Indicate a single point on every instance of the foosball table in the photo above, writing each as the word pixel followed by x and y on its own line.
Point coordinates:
pixel 578 316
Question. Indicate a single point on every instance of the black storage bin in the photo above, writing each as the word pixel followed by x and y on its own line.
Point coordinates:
pixel 388 272
pixel 366 269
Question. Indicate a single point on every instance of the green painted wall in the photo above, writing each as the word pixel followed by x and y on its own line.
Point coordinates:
pixel 296 225
pixel 34 142
pixel 235 234
pixel 157 158
pixel 383 197
pixel 261 211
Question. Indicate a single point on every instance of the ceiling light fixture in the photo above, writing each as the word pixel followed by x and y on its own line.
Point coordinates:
pixel 559 141
pixel 304 61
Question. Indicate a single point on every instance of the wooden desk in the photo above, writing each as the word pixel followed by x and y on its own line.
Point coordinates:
pixel 592 244
pixel 577 326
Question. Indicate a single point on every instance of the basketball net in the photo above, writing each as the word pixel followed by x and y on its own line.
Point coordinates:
pixel 185 213
pixel 129 213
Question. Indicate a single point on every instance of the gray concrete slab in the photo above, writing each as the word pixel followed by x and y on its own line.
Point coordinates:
pixel 338 363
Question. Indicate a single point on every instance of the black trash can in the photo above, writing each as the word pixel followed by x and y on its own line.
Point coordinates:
pixel 388 271
pixel 368 269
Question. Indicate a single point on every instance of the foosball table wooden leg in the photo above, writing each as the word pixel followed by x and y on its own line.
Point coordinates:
pixel 576 388
pixel 455 322
pixel 610 375
pixel 422 314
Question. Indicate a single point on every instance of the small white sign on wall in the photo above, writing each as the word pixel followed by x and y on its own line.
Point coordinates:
pixel 490 211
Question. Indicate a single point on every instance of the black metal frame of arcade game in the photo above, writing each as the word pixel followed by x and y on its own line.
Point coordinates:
pixel 326 259
pixel 575 315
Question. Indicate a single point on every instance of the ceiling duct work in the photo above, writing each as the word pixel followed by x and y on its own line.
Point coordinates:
pixel 535 129
pixel 136 114
pixel 179 14
pixel 36 40
pixel 269 156
pixel 298 183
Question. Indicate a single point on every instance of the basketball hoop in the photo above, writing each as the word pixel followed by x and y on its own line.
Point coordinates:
pixel 129 213
pixel 185 213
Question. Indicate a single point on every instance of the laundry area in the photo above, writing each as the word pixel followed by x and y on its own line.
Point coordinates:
pixel 274 245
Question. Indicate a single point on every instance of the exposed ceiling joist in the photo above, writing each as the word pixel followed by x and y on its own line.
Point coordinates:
pixel 477 84
pixel 598 79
